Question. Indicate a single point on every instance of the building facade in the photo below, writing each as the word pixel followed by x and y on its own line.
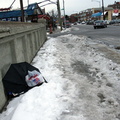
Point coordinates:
pixel 110 13
pixel 74 18
pixel 115 13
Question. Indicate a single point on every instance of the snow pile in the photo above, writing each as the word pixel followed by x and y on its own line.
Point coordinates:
pixel 74 29
pixel 66 30
pixel 33 106
pixel 82 84
pixel 70 29
pixel 102 76
pixel 43 102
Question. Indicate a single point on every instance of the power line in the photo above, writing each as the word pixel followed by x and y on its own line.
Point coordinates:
pixel 4 9
pixel 12 3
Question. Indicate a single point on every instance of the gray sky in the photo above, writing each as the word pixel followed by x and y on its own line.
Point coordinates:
pixel 71 6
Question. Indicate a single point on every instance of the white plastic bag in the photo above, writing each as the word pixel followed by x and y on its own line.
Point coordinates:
pixel 34 78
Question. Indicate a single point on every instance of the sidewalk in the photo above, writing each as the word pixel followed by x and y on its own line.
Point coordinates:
pixel 82 83
pixel 54 31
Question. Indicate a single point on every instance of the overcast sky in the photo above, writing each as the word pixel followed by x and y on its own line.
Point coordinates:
pixel 71 6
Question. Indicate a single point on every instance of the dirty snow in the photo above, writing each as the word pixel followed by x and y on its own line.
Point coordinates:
pixel 82 84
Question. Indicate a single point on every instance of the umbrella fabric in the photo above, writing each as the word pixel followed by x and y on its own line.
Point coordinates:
pixel 14 80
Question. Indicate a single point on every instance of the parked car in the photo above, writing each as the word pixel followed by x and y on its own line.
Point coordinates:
pixel 100 24
pixel 90 22
pixel 67 23
pixel 75 23
pixel 111 22
pixel 118 21
pixel 107 21
pixel 83 22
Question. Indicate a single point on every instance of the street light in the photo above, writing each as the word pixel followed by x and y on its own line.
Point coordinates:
pixel 97 1
pixel 58 8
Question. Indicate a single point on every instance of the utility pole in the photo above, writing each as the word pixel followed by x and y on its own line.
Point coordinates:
pixel 53 20
pixel 103 10
pixel 64 13
pixel 58 9
pixel 28 2
pixel 22 11
pixel 59 14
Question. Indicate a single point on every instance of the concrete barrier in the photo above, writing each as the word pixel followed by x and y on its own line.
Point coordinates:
pixel 18 42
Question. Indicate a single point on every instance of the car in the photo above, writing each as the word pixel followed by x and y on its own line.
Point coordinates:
pixel 90 22
pixel 75 23
pixel 100 24
pixel 83 22
pixel 107 21
pixel 67 24
pixel 112 22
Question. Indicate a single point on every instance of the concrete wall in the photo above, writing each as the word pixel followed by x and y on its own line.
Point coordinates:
pixel 18 42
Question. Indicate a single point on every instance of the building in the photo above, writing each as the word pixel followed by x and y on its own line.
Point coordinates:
pixel 85 15
pixel 110 12
pixel 74 18
pixel 115 13
pixel 32 14
pixel 98 15
pixel 116 5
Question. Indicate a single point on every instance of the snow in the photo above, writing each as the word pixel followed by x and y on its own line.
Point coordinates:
pixel 70 29
pixel 82 84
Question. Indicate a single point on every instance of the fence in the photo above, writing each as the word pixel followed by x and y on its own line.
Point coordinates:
pixel 18 42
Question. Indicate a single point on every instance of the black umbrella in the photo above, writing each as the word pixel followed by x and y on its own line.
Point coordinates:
pixel 14 80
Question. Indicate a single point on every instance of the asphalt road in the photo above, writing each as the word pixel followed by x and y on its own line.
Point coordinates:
pixel 109 36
